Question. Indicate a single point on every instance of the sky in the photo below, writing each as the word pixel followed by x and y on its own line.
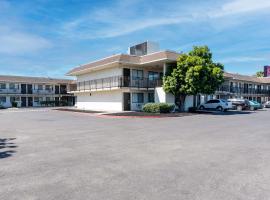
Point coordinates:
pixel 50 37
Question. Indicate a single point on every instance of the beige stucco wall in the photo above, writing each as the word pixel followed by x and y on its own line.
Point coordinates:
pixel 117 71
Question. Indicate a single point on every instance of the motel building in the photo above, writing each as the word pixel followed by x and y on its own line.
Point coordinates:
pixel 125 82
pixel 31 91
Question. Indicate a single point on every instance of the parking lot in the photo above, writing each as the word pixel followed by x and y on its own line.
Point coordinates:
pixel 48 154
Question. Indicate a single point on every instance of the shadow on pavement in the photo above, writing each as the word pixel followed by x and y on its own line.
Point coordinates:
pixel 6 146
pixel 226 113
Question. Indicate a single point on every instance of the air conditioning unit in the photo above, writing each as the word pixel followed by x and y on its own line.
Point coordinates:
pixel 143 48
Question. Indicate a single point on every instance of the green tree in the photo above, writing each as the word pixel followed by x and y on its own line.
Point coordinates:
pixel 260 74
pixel 194 73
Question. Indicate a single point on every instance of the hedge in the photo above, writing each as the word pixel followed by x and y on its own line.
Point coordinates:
pixel 54 103
pixel 14 104
pixel 158 107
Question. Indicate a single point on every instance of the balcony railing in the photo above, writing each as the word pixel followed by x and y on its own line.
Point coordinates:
pixel 42 91
pixel 9 91
pixel 243 90
pixel 117 82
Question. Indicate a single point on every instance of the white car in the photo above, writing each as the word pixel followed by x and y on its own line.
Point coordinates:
pixel 267 104
pixel 216 104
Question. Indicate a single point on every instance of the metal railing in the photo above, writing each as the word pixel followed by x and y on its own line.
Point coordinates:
pixel 37 91
pixel 243 90
pixel 117 82
pixel 10 91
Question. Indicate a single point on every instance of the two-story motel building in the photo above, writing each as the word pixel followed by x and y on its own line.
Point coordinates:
pixel 126 82
pixel 31 91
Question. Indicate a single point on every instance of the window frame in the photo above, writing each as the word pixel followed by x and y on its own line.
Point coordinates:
pixel 153 100
pixel 1 99
pixel 3 86
pixel 152 75
pixel 136 72
pixel 138 99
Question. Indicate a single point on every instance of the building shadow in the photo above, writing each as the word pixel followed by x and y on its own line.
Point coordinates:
pixel 232 112
pixel 7 147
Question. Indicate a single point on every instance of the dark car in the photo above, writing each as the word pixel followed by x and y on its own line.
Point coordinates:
pixel 240 104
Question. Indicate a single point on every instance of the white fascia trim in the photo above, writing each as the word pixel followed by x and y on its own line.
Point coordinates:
pixel 123 62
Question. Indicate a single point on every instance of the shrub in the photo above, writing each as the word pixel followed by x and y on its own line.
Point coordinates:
pixel 14 104
pixel 158 107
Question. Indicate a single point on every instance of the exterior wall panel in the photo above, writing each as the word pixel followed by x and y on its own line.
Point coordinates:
pixel 100 101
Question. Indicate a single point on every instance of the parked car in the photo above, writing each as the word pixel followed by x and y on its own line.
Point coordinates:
pixel 240 104
pixel 254 105
pixel 216 104
pixel 1 106
pixel 267 104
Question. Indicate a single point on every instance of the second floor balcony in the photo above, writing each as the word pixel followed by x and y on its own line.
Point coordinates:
pixel 37 91
pixel 116 82
pixel 10 91
pixel 243 90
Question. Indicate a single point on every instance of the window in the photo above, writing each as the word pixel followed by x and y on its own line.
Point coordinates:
pixel 137 74
pixel 48 98
pixel 2 86
pixel 213 101
pixel 47 87
pixel 14 99
pixel 3 100
pixel 137 98
pixel 151 97
pixel 12 86
pixel 40 87
pixel 36 99
pixel 153 76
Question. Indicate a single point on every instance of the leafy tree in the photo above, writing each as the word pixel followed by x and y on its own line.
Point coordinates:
pixel 194 73
pixel 260 74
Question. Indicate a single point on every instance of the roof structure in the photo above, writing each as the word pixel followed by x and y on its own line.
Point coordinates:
pixel 126 59
pixel 247 78
pixel 161 56
pixel 26 79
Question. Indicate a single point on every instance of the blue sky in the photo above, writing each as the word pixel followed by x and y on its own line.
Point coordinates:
pixel 49 37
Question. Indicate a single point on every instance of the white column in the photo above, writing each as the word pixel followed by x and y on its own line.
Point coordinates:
pixel 164 68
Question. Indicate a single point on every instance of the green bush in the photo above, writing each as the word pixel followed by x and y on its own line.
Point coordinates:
pixel 158 107
pixel 14 104
pixel 54 103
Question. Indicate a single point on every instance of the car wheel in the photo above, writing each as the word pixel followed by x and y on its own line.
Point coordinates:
pixel 220 109
pixel 239 108
pixel 252 108
pixel 201 108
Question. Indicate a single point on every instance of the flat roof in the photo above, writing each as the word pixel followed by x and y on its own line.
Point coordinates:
pixel 126 59
pixel 29 79
pixel 247 78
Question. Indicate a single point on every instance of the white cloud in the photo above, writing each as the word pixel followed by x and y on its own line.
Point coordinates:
pixel 244 6
pixel 123 17
pixel 15 42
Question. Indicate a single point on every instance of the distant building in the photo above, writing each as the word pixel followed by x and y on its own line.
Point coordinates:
pixel 32 91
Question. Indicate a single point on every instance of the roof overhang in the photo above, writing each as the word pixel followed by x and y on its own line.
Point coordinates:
pixel 157 58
